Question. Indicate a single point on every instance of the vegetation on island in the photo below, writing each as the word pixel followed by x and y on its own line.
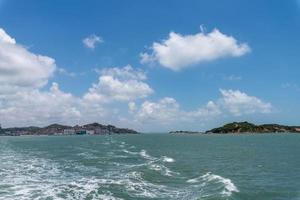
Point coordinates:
pixel 246 127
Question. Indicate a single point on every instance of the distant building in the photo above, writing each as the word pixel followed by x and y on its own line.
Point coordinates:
pixel 100 131
pixel 90 132
pixel 80 132
pixel 69 132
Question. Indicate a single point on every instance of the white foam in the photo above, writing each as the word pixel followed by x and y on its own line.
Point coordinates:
pixel 130 152
pixel 144 154
pixel 30 176
pixel 229 185
pixel 162 169
pixel 210 178
pixel 154 163
pixel 168 159
pixel 193 180
pixel 25 176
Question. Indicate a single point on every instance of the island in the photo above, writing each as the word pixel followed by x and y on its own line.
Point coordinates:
pixel 246 127
pixel 58 129
pixel 185 132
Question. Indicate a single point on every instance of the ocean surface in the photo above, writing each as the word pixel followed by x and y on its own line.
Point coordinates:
pixel 208 167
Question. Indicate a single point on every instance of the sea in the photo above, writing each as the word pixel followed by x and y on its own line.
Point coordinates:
pixel 151 166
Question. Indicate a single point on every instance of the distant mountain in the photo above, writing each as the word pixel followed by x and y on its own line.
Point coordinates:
pixel 246 127
pixel 58 129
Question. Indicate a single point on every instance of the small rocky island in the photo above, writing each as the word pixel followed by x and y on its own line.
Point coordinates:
pixel 246 127
pixel 57 129
pixel 185 132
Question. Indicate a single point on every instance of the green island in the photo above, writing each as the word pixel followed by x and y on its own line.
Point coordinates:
pixel 245 127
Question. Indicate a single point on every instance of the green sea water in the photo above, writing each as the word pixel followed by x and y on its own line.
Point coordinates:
pixel 153 166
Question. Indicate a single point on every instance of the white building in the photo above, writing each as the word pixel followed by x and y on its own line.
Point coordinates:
pixel 69 132
pixel 90 132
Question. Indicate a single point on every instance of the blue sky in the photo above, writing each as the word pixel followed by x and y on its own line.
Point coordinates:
pixel 263 75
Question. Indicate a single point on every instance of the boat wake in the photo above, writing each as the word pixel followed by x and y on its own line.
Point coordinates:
pixel 121 172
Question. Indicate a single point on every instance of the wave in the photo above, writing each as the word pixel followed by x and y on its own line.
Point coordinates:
pixel 154 163
pixel 26 176
pixel 168 159
pixel 144 154
pixel 212 180
pixel 29 175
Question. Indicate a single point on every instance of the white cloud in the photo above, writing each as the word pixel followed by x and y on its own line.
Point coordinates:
pixel 5 38
pixel 91 41
pixel 131 106
pixel 39 108
pixel 167 111
pixel 35 107
pixel 181 51
pixel 210 110
pixel 20 67
pixel 126 72
pixel 120 84
pixel 24 100
pixel 239 103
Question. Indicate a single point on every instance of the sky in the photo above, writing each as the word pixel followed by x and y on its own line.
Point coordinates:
pixel 153 66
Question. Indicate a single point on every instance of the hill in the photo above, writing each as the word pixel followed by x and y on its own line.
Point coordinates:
pixel 58 129
pixel 246 127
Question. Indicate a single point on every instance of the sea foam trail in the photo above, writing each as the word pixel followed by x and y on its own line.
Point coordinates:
pixel 31 175
pixel 26 176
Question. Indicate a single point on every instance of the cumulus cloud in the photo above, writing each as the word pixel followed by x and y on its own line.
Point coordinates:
pixel 25 100
pixel 35 107
pixel 21 68
pixel 168 111
pixel 238 103
pixel 91 41
pixel 120 84
pixel 181 51
pixel 165 110
pixel 39 106
pixel 131 106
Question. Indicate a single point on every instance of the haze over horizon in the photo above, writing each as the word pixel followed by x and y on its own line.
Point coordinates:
pixel 144 66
